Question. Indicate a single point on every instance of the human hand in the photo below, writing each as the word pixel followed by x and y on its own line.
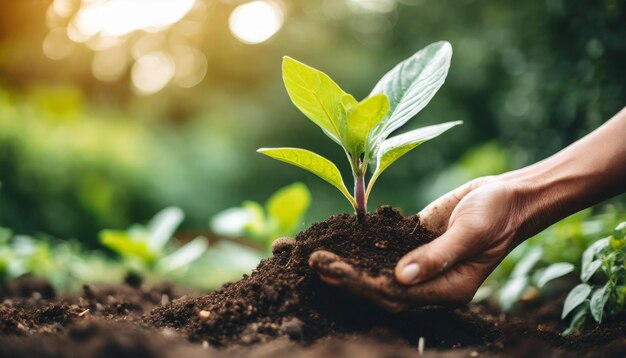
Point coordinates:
pixel 479 223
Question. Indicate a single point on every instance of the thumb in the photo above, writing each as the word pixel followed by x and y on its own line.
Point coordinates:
pixel 433 258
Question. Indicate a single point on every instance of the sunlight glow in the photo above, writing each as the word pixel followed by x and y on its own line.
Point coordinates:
pixel 256 21
pixel 120 17
pixel 152 72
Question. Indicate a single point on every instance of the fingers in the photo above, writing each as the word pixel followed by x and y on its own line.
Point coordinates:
pixel 435 257
pixel 282 244
pixel 436 216
pixel 333 270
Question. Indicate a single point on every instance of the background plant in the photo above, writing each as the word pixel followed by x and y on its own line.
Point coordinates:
pixel 602 292
pixel 281 216
pixel 362 128
pixel 527 271
pixel 150 250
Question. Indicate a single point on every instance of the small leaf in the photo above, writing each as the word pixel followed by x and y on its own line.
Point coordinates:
pixel 527 262
pixel 599 298
pixel 163 226
pixel 288 205
pixel 575 297
pixel 184 255
pixel 315 94
pixel 393 148
pixel 586 274
pixel 591 251
pixel 126 245
pixel 312 162
pixel 231 222
pixel 554 271
pixel 512 291
pixel 410 85
pixel 256 226
pixel 361 118
pixel 577 321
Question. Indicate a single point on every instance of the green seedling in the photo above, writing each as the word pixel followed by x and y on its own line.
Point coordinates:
pixel 149 249
pixel 602 291
pixel 281 216
pixel 362 128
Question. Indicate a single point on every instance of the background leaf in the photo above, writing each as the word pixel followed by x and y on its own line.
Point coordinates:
pixel 411 84
pixel 288 205
pixel 312 162
pixel 126 245
pixel 315 94
pixel 184 255
pixel 163 226
pixel 586 274
pixel 554 271
pixel 599 298
pixel 575 297
pixel 512 291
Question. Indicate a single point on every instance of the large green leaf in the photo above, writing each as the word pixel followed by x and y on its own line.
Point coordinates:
pixel 410 85
pixel 315 94
pixel 589 270
pixel 393 148
pixel 312 162
pixel 576 296
pixel 360 120
pixel 287 206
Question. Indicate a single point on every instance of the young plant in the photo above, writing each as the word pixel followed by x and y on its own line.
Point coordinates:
pixel 603 274
pixel 281 216
pixel 362 128
pixel 147 249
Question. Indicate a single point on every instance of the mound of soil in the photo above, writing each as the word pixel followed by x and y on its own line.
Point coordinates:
pixel 284 297
pixel 283 309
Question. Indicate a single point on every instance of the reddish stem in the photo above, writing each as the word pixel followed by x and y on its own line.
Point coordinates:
pixel 359 196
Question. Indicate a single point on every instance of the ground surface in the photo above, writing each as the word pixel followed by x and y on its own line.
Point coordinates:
pixel 283 309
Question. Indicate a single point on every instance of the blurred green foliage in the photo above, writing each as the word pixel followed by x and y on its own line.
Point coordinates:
pixel 78 155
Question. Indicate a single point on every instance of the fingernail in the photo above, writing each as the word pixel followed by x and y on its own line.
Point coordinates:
pixel 410 273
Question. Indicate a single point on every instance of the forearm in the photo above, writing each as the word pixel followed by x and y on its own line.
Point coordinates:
pixel 587 172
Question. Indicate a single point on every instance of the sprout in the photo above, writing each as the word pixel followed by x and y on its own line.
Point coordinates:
pixel 362 128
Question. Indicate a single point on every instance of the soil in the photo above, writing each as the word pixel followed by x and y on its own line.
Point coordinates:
pixel 283 309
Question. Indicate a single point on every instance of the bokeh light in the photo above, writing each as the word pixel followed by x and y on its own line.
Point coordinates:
pixel 120 17
pixel 152 72
pixel 256 21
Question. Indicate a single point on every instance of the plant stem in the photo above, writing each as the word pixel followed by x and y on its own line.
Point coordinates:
pixel 359 196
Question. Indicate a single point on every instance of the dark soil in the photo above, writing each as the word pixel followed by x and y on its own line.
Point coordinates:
pixel 283 309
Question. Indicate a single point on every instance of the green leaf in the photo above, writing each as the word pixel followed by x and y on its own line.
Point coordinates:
pixel 127 245
pixel 410 85
pixel 315 94
pixel 575 297
pixel 256 226
pixel 360 120
pixel 288 205
pixel 312 162
pixel 162 227
pixel 591 251
pixel 554 271
pixel 589 270
pixel 620 231
pixel 184 255
pixel 527 262
pixel 512 291
pixel 599 298
pixel 393 148
pixel 577 321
